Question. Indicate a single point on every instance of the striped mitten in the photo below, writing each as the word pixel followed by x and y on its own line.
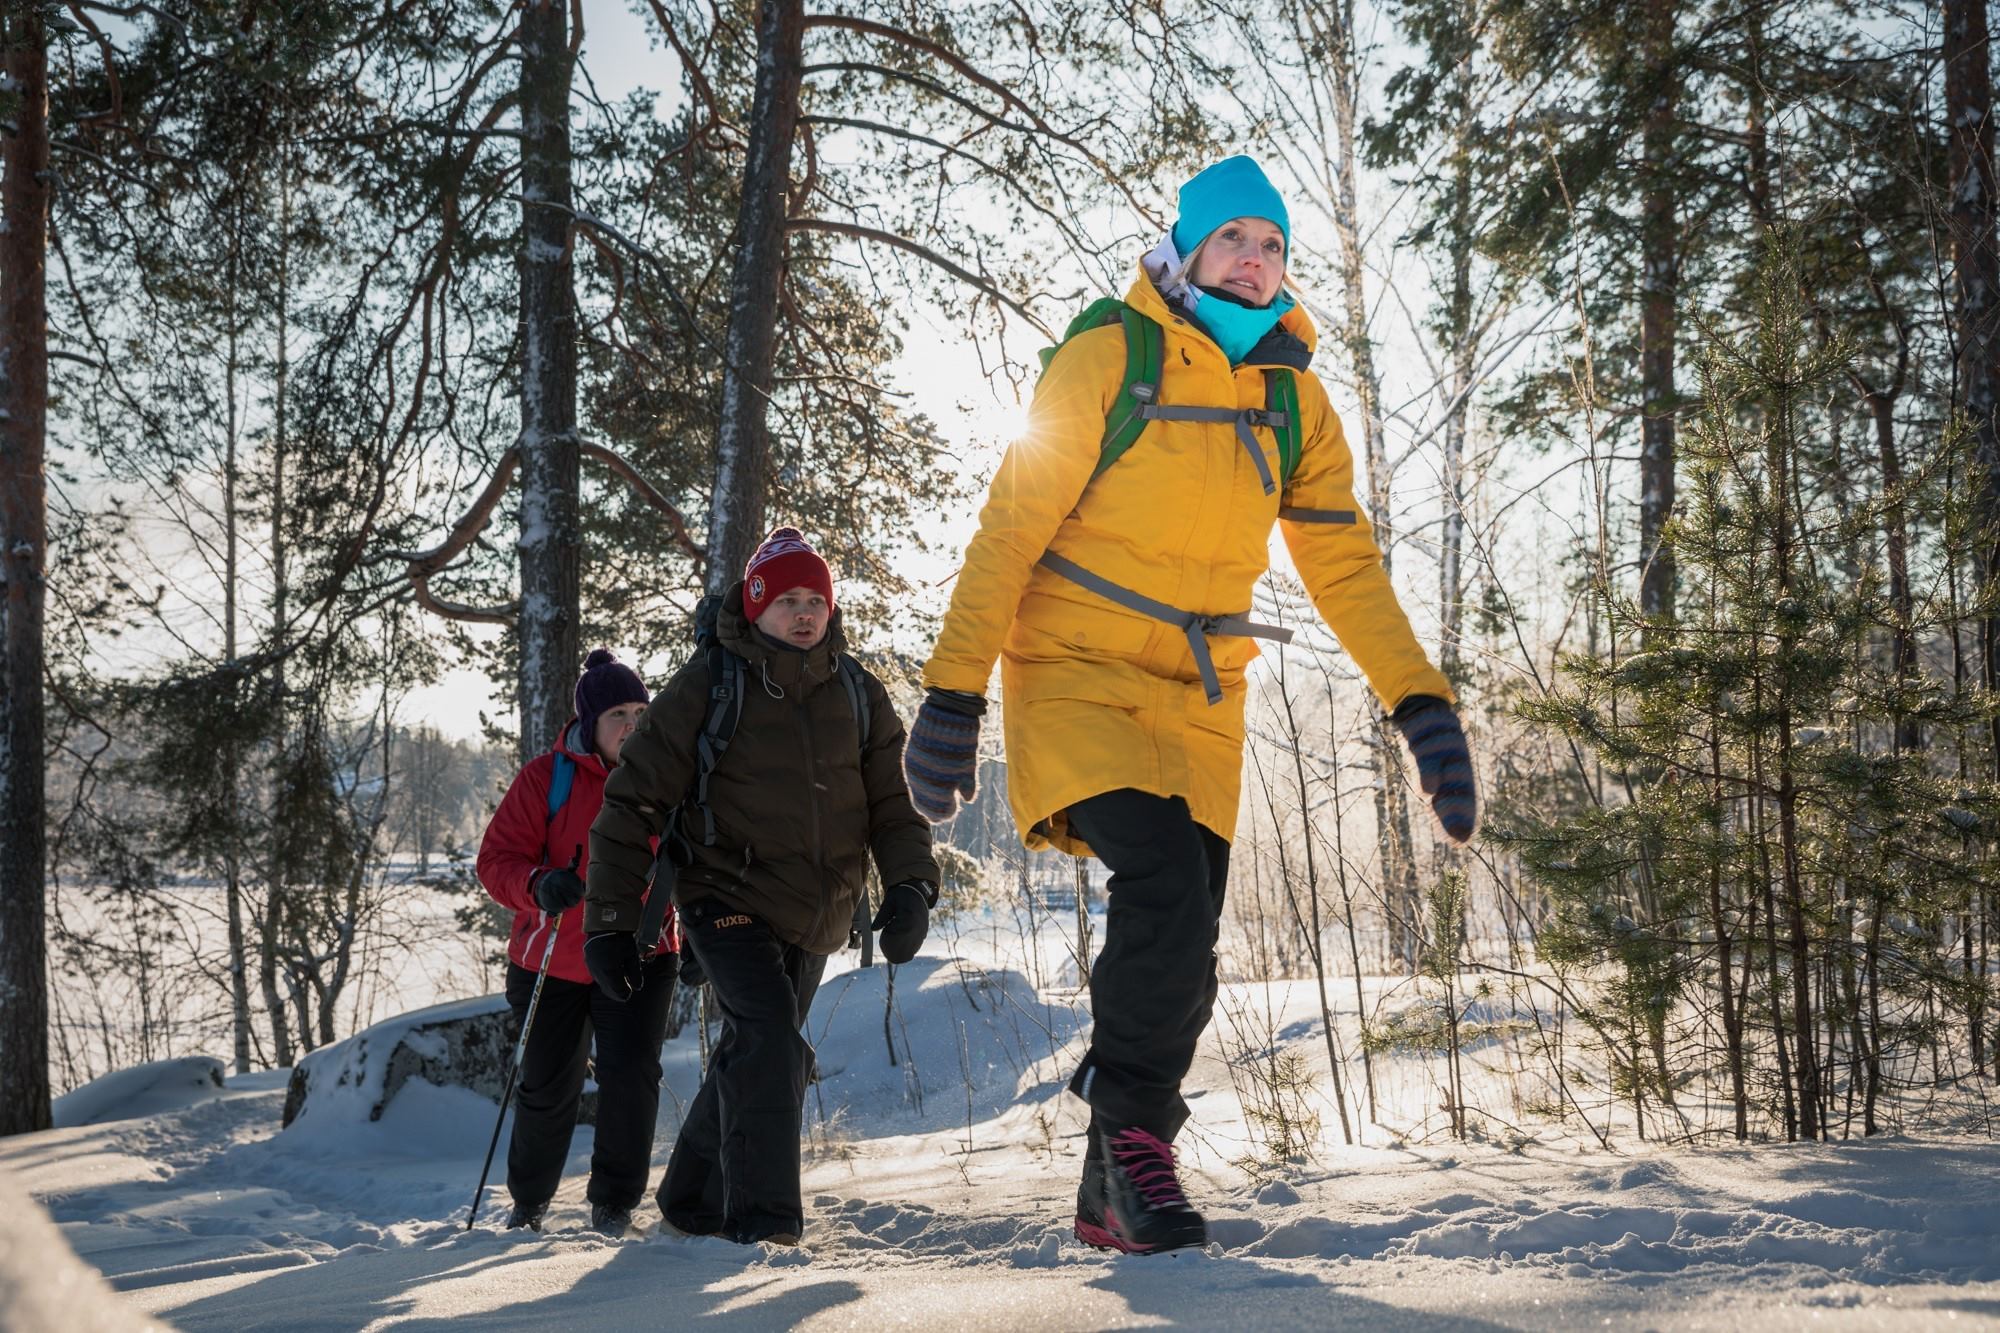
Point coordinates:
pixel 941 757
pixel 1444 765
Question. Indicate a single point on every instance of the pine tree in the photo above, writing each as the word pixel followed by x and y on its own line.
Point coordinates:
pixel 1771 831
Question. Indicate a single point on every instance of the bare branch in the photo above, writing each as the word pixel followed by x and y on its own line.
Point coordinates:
pixel 870 28
pixel 704 91
pixel 992 172
pixel 649 493
pixel 425 563
pixel 117 111
pixel 926 254
pixel 478 615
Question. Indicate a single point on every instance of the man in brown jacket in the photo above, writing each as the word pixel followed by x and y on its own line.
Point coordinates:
pixel 776 862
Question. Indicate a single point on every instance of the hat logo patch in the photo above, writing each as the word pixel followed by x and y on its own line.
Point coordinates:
pixel 756 587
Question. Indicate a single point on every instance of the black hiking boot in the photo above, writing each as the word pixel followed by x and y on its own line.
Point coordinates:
pixel 527 1215
pixel 610 1219
pixel 1090 1228
pixel 1131 1198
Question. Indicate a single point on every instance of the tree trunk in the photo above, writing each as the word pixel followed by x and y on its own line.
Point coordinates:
pixel 1732 1008
pixel 1658 280
pixel 231 744
pixel 1804 1021
pixel 1400 896
pixel 1975 259
pixel 1760 838
pixel 743 444
pixel 1896 540
pixel 348 925
pixel 1779 456
pixel 277 876
pixel 272 923
pixel 24 396
pixel 1458 314
pixel 1347 920
pixel 1312 929
pixel 550 539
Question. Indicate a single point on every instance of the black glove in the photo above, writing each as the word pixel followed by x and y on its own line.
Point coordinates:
pixel 558 890
pixel 691 974
pixel 941 754
pixel 613 959
pixel 1431 729
pixel 905 919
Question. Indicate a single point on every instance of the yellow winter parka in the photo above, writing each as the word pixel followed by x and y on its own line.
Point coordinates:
pixel 1099 697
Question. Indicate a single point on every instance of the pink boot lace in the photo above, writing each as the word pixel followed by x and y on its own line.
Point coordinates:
pixel 1148 1162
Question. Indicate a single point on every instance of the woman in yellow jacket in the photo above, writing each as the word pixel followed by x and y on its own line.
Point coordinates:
pixel 1113 587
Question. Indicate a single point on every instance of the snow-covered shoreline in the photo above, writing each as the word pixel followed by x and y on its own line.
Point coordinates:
pixel 940 1193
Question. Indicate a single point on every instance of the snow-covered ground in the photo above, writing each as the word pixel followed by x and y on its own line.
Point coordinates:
pixel 940 1194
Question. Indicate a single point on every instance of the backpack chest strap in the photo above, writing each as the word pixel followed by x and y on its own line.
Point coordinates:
pixel 1243 418
pixel 1198 628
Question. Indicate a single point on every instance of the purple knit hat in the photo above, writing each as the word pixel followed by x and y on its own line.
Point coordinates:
pixel 605 683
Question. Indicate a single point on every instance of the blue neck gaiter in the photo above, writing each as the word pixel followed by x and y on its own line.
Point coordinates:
pixel 1238 328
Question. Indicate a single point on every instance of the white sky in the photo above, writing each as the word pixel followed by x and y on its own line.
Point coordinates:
pixel 938 369
pixel 941 372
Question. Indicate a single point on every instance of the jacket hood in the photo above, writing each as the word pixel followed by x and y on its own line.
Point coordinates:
pixel 572 742
pixel 1279 347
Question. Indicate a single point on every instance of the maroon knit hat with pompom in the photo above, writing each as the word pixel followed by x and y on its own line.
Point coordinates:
pixel 605 683
pixel 782 563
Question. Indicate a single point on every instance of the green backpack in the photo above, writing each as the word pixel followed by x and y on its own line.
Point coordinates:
pixel 1135 405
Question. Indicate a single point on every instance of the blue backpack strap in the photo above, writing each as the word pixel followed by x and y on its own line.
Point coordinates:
pixel 560 781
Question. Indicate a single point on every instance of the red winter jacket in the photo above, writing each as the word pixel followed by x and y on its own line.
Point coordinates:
pixel 521 841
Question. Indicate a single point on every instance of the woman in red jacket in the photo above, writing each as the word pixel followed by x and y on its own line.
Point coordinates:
pixel 532 860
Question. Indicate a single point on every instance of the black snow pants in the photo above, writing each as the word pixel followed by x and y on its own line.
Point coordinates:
pixel 551 1083
pixel 735 1166
pixel 1152 986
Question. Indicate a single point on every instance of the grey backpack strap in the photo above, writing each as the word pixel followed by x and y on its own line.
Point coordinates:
pixel 857 698
pixel 725 710
pixel 1243 418
pixel 1198 628
pixel 851 674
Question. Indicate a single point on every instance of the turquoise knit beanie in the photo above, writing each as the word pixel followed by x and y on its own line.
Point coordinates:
pixel 1235 187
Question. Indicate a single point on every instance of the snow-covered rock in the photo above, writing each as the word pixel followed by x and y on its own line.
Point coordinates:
pixel 142 1090
pixel 465 1044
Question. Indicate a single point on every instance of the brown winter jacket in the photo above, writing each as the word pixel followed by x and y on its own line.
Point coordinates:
pixel 799 800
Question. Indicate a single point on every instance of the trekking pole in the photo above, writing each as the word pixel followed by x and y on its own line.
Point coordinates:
pixel 520 1048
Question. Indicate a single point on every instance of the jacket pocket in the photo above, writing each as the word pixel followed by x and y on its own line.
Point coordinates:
pixel 1047 627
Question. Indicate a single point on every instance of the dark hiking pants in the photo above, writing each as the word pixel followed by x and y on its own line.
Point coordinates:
pixel 1152 986
pixel 735 1166
pixel 551 1083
